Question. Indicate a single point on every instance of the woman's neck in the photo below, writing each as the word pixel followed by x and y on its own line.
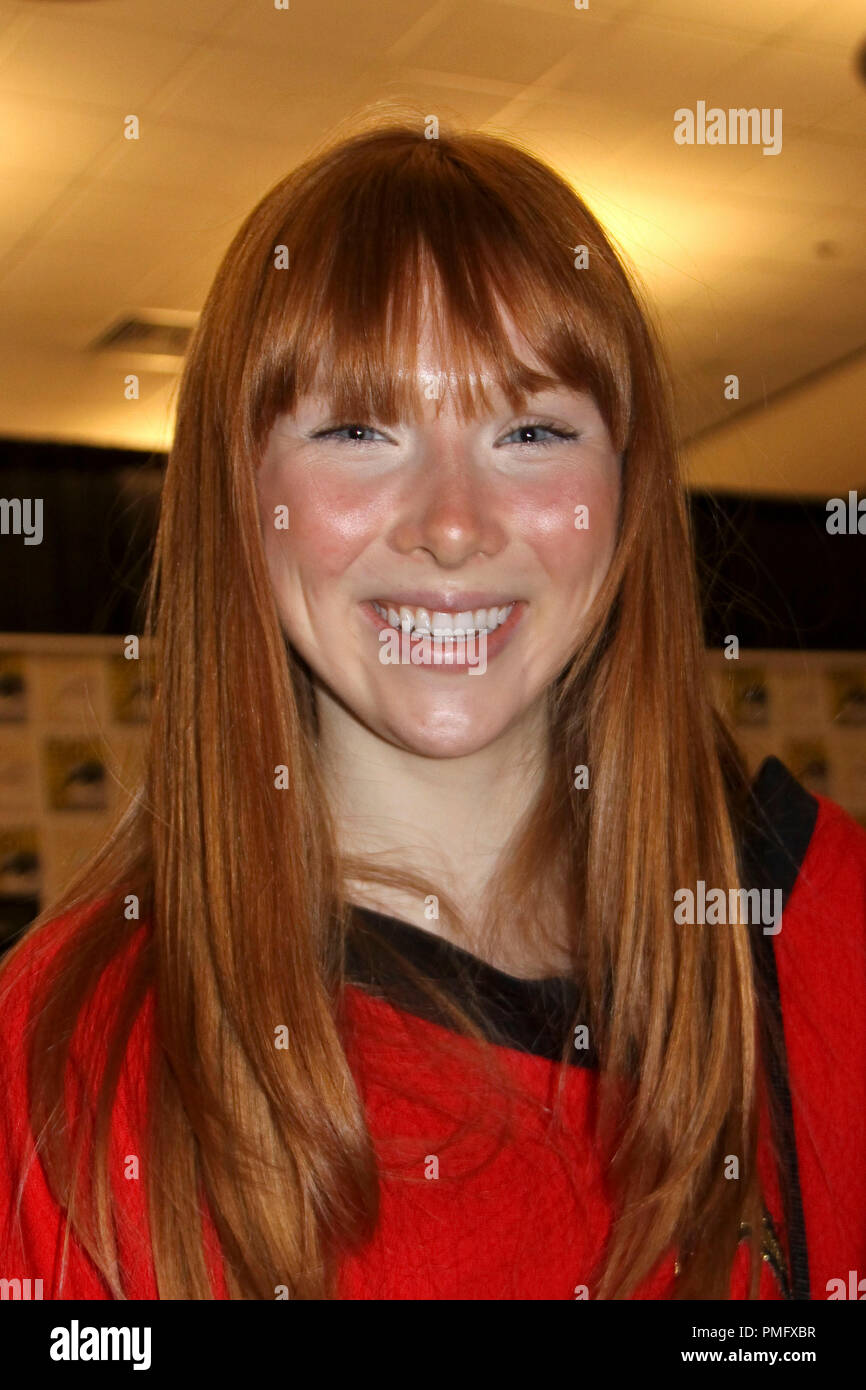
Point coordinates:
pixel 447 819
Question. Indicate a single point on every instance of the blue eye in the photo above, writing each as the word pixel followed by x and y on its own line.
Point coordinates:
pixel 538 427
pixel 350 434
pixel 344 434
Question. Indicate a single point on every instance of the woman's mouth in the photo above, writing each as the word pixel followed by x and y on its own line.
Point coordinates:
pixel 442 624
pixel 457 641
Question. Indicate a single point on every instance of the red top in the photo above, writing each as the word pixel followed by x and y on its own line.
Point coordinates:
pixel 466 1219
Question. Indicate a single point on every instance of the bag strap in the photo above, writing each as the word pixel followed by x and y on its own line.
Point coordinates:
pixel 779 821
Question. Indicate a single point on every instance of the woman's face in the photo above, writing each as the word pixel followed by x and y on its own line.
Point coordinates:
pixel 389 527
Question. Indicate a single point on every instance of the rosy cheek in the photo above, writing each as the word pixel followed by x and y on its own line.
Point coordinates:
pixel 551 519
pixel 330 521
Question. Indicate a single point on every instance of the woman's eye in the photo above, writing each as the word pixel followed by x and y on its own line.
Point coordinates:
pixel 532 433
pixel 348 434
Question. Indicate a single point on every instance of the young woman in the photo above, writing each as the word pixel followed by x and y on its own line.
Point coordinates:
pixel 382 987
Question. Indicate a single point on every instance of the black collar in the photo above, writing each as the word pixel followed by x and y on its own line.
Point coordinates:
pixel 535 1015
pixel 532 1015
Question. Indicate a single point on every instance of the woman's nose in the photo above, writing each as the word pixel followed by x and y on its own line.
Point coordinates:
pixel 451 510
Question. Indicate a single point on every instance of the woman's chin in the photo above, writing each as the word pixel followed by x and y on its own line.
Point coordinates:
pixel 448 733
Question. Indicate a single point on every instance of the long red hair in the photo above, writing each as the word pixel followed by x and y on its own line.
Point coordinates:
pixel 241 888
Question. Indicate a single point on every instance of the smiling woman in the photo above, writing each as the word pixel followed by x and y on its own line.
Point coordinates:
pixel 439 524
pixel 390 997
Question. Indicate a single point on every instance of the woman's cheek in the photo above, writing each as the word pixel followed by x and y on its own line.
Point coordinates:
pixel 571 526
pixel 329 524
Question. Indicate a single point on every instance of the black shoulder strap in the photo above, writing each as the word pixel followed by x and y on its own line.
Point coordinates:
pixel 778 826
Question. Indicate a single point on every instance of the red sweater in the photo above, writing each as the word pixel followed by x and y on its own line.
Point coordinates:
pixel 468 1217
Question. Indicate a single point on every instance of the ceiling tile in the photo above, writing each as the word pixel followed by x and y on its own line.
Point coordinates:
pixel 258 91
pixel 23 199
pixel 842 23
pixel 583 130
pixel 806 85
pixel 103 215
pixel 814 170
pixel 102 280
pixel 763 17
pixel 47 137
pixel 849 118
pixel 321 29
pixel 182 280
pixel 655 157
pixel 499 42
pixel 838 233
pixel 215 162
pixel 196 17
pixel 607 13
pixel 650 71
pixel 96 64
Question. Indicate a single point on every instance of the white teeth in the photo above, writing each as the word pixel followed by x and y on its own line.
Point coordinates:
pixel 441 624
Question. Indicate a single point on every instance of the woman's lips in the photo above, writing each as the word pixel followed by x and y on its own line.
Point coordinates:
pixel 455 655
